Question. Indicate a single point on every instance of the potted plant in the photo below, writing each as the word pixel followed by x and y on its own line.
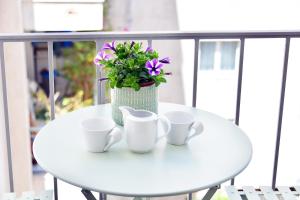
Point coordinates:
pixel 133 74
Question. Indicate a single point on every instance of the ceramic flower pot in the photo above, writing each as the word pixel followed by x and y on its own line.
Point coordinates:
pixel 146 99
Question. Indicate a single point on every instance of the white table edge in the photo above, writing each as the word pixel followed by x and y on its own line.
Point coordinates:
pixel 153 194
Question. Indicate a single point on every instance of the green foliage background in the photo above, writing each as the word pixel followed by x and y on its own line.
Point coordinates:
pixel 79 68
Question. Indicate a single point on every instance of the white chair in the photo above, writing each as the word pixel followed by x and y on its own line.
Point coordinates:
pixel 29 195
pixel 46 195
pixel 263 192
pixel 9 196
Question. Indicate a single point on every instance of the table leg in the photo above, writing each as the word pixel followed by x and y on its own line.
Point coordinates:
pixel 102 196
pixel 55 188
pixel 88 195
pixel 210 193
pixel 190 196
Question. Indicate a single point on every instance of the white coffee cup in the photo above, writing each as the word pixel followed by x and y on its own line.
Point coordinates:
pixel 183 127
pixel 100 134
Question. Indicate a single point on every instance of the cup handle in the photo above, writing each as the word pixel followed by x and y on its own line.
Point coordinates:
pixel 114 136
pixel 166 126
pixel 196 129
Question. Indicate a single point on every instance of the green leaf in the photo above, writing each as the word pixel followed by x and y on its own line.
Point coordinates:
pixel 127 66
pixel 130 63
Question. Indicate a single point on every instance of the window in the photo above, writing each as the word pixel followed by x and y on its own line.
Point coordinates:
pixel 218 55
pixel 228 52
pixel 207 55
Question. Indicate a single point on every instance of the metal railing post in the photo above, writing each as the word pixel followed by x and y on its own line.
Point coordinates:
pixel 239 86
pixel 6 119
pixel 100 85
pixel 281 107
pixel 51 67
pixel 149 41
pixel 195 76
pixel 51 80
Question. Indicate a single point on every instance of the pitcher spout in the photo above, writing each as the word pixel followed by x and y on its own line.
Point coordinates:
pixel 126 111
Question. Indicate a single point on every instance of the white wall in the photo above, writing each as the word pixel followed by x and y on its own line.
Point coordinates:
pixel 10 22
pixel 238 15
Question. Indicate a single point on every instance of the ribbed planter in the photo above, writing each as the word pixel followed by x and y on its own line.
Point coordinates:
pixel 146 98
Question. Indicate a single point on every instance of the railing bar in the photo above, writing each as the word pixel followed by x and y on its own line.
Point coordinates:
pixel 138 38
pixel 149 42
pixel 51 68
pixel 195 77
pixel 143 38
pixel 92 36
pixel 239 86
pixel 281 107
pixel 99 74
pixel 240 79
pixel 6 119
pixel 51 80
pixel 61 2
pixel 98 87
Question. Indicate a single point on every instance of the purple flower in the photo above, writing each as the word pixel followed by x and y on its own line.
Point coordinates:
pixel 153 67
pixel 108 46
pixel 101 55
pixel 149 49
pixel 165 60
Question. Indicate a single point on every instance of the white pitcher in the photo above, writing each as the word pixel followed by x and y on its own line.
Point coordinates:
pixel 141 128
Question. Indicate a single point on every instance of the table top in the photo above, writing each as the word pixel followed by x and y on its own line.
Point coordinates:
pixel 221 152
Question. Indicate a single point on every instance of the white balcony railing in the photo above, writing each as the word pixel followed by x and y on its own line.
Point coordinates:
pixel 99 38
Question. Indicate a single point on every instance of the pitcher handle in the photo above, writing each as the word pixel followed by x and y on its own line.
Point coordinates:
pixel 166 126
pixel 114 136
pixel 196 129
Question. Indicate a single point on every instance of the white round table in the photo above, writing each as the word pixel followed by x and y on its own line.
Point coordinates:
pixel 219 154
